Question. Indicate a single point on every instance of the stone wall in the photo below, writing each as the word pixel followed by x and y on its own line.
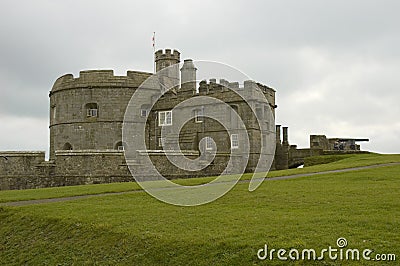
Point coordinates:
pixel 70 99
pixel 194 131
pixel 170 171
pixel 20 169
pixel 28 170
pixel 91 167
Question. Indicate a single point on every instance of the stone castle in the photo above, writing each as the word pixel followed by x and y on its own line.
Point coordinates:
pixel 86 121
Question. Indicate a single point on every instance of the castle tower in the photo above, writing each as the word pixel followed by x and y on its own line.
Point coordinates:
pixel 165 60
pixel 87 112
pixel 188 76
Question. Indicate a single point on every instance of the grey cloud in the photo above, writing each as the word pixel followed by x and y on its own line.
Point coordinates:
pixel 331 62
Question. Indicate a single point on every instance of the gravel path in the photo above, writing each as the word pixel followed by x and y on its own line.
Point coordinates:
pixel 41 201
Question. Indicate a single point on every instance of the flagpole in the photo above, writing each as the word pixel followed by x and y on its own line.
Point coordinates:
pixel 154 52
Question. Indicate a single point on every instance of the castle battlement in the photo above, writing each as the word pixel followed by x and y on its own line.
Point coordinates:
pixel 246 85
pixel 97 73
pixel 167 54
pixel 100 78
pixel 249 87
pixel 212 83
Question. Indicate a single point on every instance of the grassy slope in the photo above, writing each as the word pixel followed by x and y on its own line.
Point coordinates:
pixel 135 229
pixel 348 161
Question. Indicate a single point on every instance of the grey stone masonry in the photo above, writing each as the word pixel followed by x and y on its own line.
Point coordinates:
pixel 86 120
pixel 86 113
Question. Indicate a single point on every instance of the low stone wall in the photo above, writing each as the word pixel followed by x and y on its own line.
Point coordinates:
pixel 29 170
pixel 19 169
pixel 17 164
pixel 91 167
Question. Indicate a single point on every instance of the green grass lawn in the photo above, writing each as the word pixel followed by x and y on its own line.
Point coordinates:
pixel 136 229
pixel 340 162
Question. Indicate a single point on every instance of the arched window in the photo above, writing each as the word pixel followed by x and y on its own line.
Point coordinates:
pixel 120 146
pixel 67 146
pixel 92 110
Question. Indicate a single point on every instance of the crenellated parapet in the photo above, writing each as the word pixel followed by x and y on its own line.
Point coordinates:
pixel 168 54
pixel 100 78
pixel 212 86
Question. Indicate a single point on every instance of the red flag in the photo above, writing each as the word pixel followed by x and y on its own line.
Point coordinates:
pixel 154 39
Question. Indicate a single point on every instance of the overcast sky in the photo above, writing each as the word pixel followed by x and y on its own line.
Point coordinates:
pixel 334 64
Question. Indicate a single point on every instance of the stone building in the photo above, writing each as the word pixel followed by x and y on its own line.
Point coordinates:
pixel 87 116
pixel 335 144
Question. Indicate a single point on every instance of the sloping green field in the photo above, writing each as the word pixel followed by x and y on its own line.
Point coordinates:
pixel 136 229
pixel 340 162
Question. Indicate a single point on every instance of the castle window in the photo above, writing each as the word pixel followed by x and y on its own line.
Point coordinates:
pixel 198 115
pixel 120 146
pixel 67 147
pixel 143 112
pixel 234 141
pixel 92 110
pixel 165 118
pixel 209 143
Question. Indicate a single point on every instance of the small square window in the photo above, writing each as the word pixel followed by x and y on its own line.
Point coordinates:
pixel 234 141
pixel 165 118
pixel 198 116
pixel 92 112
pixel 144 112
